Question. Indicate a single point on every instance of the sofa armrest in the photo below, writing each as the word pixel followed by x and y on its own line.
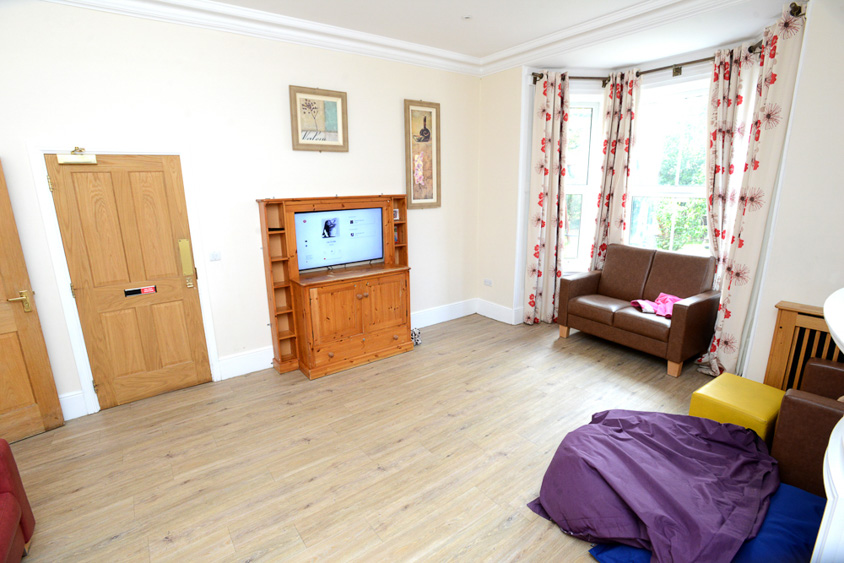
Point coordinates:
pixel 575 285
pixel 10 482
pixel 692 325
pixel 824 378
pixel 801 437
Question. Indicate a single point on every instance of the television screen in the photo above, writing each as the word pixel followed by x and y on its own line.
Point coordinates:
pixel 329 238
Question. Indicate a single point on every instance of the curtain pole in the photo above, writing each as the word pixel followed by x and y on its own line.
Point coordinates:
pixel 794 9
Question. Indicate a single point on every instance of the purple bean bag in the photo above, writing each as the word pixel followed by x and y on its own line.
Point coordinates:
pixel 683 487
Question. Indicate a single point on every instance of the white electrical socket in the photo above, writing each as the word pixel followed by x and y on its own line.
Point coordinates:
pixel 487 282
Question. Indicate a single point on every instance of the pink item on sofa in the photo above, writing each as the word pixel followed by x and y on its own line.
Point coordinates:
pixel 662 307
pixel 16 519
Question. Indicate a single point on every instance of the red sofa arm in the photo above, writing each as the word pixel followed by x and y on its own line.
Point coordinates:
pixel 575 285
pixel 692 325
pixel 824 378
pixel 10 482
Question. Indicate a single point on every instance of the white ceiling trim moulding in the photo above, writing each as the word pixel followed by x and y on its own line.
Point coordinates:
pixel 244 21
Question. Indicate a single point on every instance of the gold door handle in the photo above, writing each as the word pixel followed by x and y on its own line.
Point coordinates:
pixel 24 298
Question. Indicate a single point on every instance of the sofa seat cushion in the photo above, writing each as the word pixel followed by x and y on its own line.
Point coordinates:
pixel 633 320
pixel 598 308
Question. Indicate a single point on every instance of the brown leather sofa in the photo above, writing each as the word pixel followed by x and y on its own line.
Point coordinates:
pixel 805 422
pixel 598 303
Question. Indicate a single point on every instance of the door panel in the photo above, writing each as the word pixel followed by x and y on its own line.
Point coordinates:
pixel 386 304
pixel 29 403
pixel 100 225
pixel 121 221
pixel 153 218
pixel 336 312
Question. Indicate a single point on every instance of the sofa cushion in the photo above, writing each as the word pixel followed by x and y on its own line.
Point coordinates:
pixel 10 518
pixel 679 274
pixel 598 308
pixel 633 320
pixel 625 272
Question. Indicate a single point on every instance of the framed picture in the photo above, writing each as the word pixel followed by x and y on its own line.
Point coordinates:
pixel 422 153
pixel 396 214
pixel 318 120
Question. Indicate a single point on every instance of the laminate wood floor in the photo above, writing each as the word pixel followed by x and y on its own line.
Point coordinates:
pixel 430 455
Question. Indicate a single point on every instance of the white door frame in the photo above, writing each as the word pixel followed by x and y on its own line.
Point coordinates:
pixel 58 259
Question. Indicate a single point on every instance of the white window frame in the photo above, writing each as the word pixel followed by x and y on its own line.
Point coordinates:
pixel 589 191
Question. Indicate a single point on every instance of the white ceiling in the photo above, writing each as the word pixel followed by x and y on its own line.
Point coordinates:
pixel 500 34
pixel 499 26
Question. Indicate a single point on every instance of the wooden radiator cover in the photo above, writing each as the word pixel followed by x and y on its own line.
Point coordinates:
pixel 800 335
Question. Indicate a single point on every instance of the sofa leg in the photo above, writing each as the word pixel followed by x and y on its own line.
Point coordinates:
pixel 674 368
pixel 564 331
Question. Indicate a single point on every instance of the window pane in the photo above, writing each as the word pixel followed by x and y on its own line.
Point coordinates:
pixel 574 204
pixel 579 133
pixel 669 223
pixel 671 148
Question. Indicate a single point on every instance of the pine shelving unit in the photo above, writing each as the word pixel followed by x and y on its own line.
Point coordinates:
pixel 281 268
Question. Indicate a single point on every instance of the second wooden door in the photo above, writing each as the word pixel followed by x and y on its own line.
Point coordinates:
pixel 125 232
pixel 29 403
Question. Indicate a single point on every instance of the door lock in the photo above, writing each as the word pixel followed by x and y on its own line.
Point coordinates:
pixel 24 299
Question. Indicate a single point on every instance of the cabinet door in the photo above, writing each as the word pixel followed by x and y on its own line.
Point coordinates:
pixel 336 311
pixel 385 302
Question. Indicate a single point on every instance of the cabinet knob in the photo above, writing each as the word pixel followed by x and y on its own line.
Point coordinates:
pixel 359 296
pixel 366 294
pixel 363 340
pixel 331 354
pixel 395 337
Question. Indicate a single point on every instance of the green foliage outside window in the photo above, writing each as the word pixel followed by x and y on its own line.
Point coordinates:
pixel 684 156
pixel 682 223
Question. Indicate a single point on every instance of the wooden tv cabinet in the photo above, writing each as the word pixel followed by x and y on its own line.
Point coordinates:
pixel 330 320
pixel 354 316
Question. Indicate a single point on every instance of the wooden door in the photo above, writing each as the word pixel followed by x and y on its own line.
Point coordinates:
pixel 385 304
pixel 336 311
pixel 29 403
pixel 124 228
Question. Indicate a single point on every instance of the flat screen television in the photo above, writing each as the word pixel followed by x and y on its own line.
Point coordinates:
pixel 343 236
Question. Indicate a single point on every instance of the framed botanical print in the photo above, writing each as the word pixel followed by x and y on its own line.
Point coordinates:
pixel 422 153
pixel 318 120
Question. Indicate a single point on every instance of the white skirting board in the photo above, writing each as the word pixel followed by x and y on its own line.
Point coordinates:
pixel 73 405
pixel 245 362
pixel 436 315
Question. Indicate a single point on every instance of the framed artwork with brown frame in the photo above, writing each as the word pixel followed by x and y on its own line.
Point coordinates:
pixel 422 153
pixel 318 120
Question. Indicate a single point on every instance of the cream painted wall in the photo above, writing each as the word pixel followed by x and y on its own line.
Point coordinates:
pixel 498 185
pixel 806 260
pixel 113 83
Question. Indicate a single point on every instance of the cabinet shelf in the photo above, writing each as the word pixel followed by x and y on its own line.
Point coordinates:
pixel 275 230
pixel 280 285
pixel 399 222
pixel 399 244
pixel 278 258
pixel 283 310
pixel 285 334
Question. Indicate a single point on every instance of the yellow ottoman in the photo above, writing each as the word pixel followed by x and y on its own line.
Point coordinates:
pixel 733 399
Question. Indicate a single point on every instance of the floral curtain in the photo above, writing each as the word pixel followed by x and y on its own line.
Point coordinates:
pixel 547 204
pixel 621 96
pixel 739 213
pixel 732 95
